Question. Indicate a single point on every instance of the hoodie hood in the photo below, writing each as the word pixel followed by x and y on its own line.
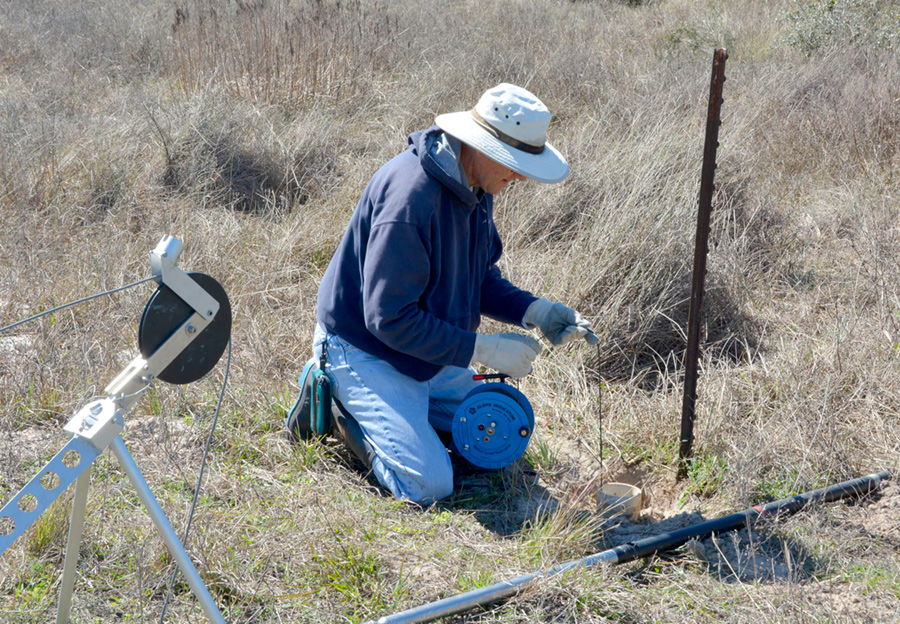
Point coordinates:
pixel 438 153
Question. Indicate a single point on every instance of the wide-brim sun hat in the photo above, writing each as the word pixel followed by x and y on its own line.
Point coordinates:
pixel 509 125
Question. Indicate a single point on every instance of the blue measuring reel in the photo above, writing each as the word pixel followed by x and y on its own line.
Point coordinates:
pixel 493 425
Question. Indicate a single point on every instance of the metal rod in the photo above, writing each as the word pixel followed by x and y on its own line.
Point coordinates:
pixel 158 516
pixel 73 545
pixel 701 248
pixel 636 550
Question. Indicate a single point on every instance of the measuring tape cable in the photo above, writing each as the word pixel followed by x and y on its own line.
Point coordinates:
pixel 73 303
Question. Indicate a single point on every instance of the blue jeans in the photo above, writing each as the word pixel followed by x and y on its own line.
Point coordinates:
pixel 397 415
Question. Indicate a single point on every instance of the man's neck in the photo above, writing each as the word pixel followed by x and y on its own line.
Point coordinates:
pixel 467 158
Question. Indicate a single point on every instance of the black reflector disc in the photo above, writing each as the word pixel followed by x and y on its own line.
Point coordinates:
pixel 166 312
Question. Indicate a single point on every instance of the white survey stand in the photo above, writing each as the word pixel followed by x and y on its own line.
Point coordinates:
pixel 97 426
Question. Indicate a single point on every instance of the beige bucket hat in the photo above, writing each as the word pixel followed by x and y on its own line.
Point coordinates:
pixel 509 125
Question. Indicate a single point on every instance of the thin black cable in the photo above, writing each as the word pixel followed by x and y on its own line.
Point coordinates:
pixel 69 305
pixel 209 438
pixel 600 412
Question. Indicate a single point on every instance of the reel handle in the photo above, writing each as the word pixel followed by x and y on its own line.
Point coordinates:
pixel 487 376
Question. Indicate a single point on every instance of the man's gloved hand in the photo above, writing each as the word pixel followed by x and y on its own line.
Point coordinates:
pixel 559 324
pixel 508 353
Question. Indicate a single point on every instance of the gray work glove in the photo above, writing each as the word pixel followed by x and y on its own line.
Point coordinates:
pixel 508 353
pixel 559 324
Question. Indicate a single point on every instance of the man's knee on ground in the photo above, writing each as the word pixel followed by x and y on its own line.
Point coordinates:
pixel 432 495
pixel 434 485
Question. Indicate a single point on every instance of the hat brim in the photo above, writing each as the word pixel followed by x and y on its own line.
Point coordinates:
pixel 548 166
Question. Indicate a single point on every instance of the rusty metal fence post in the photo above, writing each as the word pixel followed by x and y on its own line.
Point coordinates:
pixel 701 249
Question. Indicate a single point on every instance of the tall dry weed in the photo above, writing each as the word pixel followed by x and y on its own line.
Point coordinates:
pixel 283 53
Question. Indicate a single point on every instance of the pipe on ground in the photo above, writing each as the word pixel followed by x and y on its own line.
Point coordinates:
pixel 636 550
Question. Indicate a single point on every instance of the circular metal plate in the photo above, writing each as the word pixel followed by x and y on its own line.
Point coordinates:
pixel 491 429
pixel 165 312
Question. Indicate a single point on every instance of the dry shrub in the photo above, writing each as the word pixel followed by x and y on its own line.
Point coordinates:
pixel 844 100
pixel 280 52
pixel 216 157
pixel 840 23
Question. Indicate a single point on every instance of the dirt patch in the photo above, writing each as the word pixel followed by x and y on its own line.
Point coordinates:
pixel 661 493
pixel 848 604
pixel 173 435
pixel 882 515
pixel 168 440
pixel 15 352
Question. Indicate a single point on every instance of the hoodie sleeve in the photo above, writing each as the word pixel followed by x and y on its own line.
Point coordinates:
pixel 500 298
pixel 503 301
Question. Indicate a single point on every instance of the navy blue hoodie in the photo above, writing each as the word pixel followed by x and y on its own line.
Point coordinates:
pixel 416 268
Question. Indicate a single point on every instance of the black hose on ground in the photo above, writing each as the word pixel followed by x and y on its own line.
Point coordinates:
pixel 641 548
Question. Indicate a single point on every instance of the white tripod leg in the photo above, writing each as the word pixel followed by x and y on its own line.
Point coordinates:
pixel 158 516
pixel 73 545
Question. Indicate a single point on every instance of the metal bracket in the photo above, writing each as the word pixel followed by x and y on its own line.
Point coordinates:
pixel 98 422
pixel 162 263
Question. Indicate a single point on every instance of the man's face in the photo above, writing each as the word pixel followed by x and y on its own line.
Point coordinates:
pixel 490 175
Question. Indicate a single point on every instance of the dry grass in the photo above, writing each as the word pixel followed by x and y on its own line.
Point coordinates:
pixel 249 128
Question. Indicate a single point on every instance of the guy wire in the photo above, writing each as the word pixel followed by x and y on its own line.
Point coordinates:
pixel 600 412
pixel 69 305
